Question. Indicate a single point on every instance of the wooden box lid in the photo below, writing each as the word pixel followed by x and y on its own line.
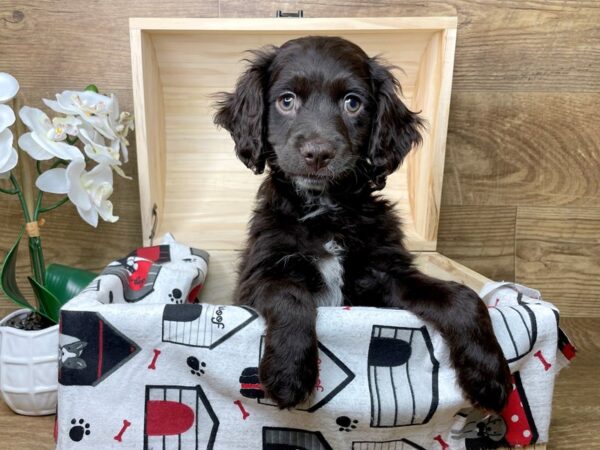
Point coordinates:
pixel 191 183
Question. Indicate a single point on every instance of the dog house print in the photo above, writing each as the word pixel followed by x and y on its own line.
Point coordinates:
pixel 203 326
pixel 331 369
pixel 293 439
pixel 178 418
pixel 400 444
pixel 516 329
pixel 403 376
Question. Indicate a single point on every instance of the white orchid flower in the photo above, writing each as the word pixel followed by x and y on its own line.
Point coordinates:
pixel 89 191
pixel 44 141
pixel 7 117
pixel 96 149
pixel 121 123
pixel 8 155
pixel 64 126
pixel 9 86
pixel 90 106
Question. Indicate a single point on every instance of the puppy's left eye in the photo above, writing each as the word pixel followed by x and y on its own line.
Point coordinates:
pixel 352 104
pixel 286 102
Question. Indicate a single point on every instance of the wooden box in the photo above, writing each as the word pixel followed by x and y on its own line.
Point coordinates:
pixel 191 183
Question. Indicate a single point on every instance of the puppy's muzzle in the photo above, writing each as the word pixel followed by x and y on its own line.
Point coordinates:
pixel 317 153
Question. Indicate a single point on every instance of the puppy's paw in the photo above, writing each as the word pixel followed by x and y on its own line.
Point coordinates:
pixel 289 379
pixel 486 381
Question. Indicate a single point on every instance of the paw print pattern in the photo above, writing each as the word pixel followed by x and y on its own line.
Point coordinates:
pixel 79 429
pixel 196 366
pixel 176 296
pixel 345 423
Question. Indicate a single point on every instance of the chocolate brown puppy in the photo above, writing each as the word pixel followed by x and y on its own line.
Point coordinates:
pixel 326 122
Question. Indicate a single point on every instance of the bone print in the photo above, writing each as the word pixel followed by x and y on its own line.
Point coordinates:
pixel 152 365
pixel 126 424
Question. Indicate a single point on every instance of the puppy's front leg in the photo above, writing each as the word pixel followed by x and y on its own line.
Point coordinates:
pixel 288 369
pixel 464 322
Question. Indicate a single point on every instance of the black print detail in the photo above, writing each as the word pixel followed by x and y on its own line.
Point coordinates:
pixel 91 348
pixel 94 286
pixel 488 430
pixel 338 377
pixel 516 329
pixel 71 349
pixel 402 393
pixel 137 276
pixel 79 429
pixel 159 254
pixel 176 296
pixel 250 386
pixel 200 253
pixel 401 444
pixel 293 438
pixel 204 326
pixel 345 423
pixel 513 428
pixel 196 366
pixel 178 417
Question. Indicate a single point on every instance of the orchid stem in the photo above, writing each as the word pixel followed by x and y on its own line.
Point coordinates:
pixel 54 205
pixel 17 188
pixel 38 205
pixel 9 191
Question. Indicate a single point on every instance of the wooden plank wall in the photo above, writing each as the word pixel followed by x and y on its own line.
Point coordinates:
pixel 522 178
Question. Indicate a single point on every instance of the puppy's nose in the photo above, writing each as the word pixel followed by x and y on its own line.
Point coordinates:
pixel 317 153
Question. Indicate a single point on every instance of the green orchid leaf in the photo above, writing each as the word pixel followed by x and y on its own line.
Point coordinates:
pixel 8 279
pixel 66 282
pixel 49 304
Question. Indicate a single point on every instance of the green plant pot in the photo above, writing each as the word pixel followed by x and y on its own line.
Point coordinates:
pixel 66 282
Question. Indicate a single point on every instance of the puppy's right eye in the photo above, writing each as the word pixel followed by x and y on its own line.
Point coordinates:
pixel 286 102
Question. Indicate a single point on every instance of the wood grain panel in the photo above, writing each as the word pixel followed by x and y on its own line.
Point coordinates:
pixel 514 148
pixel 481 238
pixel 502 45
pixel 43 38
pixel 558 251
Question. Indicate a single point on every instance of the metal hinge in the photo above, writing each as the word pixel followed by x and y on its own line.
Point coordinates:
pixel 154 223
pixel 299 14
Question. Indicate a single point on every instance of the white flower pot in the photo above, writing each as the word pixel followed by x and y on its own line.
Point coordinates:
pixel 28 368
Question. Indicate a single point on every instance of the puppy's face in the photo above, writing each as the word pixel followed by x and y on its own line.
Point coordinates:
pixel 319 110
pixel 320 105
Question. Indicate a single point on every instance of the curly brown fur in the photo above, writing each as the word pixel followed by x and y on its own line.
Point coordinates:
pixel 320 234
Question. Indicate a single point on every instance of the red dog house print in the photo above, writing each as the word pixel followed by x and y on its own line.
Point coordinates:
pixel 178 418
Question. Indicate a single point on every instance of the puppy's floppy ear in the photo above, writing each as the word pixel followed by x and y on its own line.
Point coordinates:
pixel 243 112
pixel 395 128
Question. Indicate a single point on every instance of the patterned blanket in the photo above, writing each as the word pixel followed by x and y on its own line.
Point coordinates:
pixel 143 366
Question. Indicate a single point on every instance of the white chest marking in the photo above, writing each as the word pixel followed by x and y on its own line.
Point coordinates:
pixel 332 271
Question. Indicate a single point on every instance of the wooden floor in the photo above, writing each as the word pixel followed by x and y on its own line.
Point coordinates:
pixel 521 195
pixel 575 420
